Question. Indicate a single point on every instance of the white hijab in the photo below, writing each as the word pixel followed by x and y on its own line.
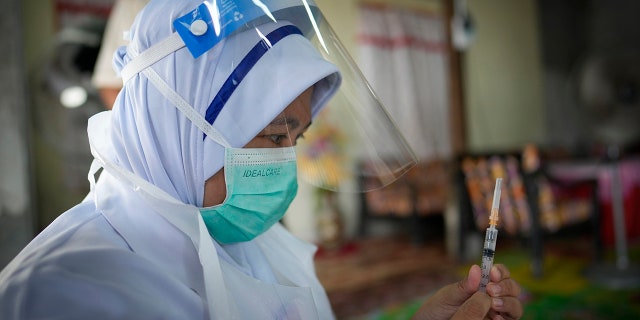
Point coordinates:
pixel 147 139
pixel 155 141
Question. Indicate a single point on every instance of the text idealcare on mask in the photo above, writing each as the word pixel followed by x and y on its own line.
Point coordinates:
pixel 261 173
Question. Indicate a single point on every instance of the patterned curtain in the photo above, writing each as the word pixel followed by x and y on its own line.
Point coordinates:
pixel 402 52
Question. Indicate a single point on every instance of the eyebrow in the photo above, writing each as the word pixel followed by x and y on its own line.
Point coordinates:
pixel 284 121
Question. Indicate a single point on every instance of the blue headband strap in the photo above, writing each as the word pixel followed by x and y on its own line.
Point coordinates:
pixel 234 79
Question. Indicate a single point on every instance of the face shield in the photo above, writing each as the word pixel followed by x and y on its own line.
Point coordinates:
pixel 271 55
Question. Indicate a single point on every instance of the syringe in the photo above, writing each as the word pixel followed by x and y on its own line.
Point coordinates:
pixel 490 238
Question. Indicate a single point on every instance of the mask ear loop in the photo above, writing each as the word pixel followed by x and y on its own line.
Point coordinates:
pixel 285 121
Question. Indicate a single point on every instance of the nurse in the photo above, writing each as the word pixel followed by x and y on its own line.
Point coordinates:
pixel 194 167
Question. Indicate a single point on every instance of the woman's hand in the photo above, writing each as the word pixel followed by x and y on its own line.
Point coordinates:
pixel 462 300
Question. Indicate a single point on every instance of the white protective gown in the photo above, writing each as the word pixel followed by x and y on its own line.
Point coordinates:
pixel 106 263
pixel 136 247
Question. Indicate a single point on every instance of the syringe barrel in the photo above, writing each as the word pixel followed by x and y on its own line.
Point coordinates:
pixel 490 238
pixel 488 253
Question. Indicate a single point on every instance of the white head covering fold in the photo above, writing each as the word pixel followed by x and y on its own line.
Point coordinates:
pixel 154 140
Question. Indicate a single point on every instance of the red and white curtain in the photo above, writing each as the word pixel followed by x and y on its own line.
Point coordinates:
pixel 403 54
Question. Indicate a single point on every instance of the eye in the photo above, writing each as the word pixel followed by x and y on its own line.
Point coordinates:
pixel 277 138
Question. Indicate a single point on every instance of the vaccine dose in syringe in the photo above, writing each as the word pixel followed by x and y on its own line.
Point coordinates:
pixel 490 238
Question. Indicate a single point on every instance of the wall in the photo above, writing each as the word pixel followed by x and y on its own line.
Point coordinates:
pixel 502 76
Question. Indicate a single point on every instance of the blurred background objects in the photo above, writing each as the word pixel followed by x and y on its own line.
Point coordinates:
pixel 543 93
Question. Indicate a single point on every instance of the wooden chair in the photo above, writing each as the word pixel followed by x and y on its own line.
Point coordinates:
pixel 417 199
pixel 534 205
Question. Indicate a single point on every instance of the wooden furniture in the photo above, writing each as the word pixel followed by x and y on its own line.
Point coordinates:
pixel 417 199
pixel 534 204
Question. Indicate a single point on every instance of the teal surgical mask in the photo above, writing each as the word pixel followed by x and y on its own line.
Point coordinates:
pixel 261 183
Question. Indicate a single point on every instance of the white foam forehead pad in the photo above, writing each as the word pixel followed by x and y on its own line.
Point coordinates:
pixel 272 82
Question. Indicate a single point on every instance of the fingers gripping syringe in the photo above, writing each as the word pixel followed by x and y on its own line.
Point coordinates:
pixel 490 238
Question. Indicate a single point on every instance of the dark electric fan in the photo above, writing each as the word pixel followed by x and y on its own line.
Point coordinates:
pixel 609 93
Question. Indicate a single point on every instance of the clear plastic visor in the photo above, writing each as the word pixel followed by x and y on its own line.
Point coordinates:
pixel 287 128
pixel 351 136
